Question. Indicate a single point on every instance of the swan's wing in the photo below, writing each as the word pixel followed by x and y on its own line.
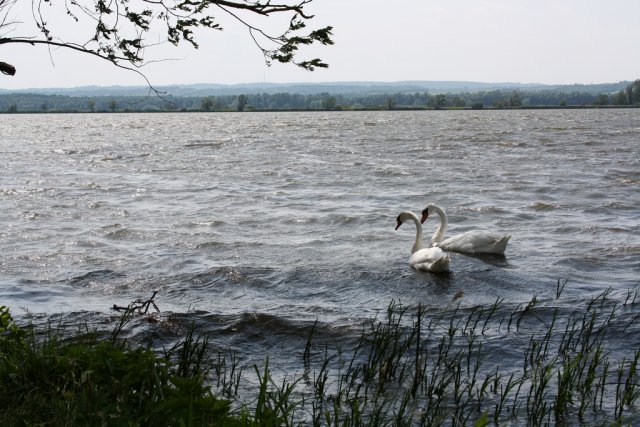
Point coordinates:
pixel 477 241
pixel 429 259
pixel 426 255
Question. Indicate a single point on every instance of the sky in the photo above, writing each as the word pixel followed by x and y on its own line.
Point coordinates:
pixel 526 41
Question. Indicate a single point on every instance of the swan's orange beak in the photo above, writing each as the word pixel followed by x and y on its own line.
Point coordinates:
pixel 425 215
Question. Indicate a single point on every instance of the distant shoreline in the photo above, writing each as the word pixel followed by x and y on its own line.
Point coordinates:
pixel 346 97
pixel 136 111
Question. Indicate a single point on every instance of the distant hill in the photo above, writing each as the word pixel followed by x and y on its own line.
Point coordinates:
pixel 334 88
pixel 320 96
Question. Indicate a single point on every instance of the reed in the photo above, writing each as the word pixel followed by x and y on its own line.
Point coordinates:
pixel 433 371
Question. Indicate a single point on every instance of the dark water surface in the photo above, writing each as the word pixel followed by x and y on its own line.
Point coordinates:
pixel 254 225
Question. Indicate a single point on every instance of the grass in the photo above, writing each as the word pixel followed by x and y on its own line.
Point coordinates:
pixel 408 367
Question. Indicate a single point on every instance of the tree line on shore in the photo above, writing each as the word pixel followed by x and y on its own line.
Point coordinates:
pixel 285 101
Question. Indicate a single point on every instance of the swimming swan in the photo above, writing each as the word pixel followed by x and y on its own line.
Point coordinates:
pixel 425 259
pixel 474 242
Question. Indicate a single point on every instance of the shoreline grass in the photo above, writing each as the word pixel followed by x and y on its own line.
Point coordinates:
pixel 475 365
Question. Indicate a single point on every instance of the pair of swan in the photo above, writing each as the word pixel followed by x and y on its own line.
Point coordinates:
pixel 433 258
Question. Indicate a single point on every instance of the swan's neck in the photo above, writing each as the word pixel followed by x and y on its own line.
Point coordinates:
pixel 439 234
pixel 417 245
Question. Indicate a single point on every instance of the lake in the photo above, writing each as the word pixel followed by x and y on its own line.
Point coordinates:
pixel 256 225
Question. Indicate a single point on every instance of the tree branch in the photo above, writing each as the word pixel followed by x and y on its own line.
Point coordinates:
pixel 11 69
pixel 121 28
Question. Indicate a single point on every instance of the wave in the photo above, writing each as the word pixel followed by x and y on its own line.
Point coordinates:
pixel 91 277
pixel 542 206
pixel 204 143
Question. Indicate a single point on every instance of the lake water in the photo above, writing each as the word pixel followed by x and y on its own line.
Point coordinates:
pixel 255 225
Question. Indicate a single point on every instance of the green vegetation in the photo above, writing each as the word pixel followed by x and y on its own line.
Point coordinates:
pixel 526 365
pixel 49 380
pixel 327 101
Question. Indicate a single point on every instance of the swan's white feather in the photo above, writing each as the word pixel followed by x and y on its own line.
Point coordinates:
pixel 429 259
pixel 476 241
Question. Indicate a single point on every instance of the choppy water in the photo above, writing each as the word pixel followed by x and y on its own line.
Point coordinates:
pixel 256 225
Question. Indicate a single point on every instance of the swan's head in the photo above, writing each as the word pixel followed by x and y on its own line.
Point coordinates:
pixel 404 216
pixel 399 221
pixel 425 213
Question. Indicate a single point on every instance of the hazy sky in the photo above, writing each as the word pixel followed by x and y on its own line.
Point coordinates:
pixel 530 41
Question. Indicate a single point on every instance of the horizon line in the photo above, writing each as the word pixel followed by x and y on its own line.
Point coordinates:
pixel 307 83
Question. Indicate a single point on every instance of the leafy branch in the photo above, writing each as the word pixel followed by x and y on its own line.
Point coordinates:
pixel 122 28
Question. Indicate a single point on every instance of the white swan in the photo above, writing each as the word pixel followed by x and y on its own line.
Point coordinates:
pixel 426 259
pixel 474 242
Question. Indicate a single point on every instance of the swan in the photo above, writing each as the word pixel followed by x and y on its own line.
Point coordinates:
pixel 473 242
pixel 425 259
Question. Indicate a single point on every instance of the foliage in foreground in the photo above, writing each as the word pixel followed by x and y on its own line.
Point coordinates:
pixel 482 365
pixel 88 381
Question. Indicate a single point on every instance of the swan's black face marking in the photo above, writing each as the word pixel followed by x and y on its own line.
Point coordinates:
pixel 398 222
pixel 425 215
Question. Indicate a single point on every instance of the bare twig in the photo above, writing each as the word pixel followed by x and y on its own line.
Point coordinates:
pixel 139 306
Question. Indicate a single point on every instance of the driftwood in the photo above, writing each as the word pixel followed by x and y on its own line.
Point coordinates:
pixel 138 306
